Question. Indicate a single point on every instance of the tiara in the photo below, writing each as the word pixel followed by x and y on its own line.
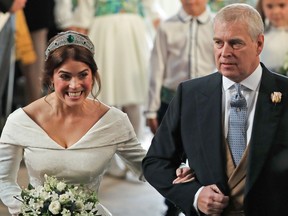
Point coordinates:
pixel 69 38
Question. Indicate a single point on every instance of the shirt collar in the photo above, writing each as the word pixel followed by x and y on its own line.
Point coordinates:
pixel 250 82
pixel 202 18
pixel 280 29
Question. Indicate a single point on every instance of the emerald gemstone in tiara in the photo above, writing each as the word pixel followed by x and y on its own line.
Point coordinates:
pixel 70 38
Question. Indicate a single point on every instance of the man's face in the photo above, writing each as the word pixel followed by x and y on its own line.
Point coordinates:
pixel 194 7
pixel 236 54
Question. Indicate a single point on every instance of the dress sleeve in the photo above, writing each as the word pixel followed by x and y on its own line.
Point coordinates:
pixel 131 151
pixel 10 158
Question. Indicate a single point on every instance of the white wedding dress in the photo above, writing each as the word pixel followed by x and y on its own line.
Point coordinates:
pixel 84 162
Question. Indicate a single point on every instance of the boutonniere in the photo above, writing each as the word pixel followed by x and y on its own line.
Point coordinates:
pixel 276 97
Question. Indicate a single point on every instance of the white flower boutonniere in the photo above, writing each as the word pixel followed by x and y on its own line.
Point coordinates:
pixel 276 97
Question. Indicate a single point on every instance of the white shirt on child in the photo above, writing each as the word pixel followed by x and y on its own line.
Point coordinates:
pixel 183 49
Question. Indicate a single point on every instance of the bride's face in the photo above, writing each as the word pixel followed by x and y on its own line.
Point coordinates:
pixel 73 82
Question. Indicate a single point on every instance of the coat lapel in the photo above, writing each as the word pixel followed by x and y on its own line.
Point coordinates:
pixel 266 119
pixel 210 121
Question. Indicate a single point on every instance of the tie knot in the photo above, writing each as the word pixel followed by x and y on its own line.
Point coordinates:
pixel 238 100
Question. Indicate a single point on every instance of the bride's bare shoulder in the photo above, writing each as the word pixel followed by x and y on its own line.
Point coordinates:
pixel 36 108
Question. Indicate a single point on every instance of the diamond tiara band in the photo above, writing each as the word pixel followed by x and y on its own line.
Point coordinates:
pixel 69 38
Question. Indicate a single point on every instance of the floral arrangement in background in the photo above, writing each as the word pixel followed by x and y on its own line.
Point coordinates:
pixel 284 68
pixel 58 198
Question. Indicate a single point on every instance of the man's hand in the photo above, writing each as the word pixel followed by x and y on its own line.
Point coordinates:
pixel 184 174
pixel 152 124
pixel 156 22
pixel 212 201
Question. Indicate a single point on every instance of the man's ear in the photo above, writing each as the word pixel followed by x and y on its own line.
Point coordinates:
pixel 260 43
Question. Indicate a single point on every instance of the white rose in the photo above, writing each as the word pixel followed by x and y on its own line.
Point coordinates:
pixel 79 204
pixel 64 198
pixel 61 186
pixel 55 207
pixel 47 187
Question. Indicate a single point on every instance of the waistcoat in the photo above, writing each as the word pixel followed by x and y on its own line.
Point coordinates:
pixel 236 183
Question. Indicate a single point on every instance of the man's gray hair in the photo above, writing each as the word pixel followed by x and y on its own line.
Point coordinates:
pixel 240 12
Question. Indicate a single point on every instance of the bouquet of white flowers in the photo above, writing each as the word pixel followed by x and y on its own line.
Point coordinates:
pixel 58 198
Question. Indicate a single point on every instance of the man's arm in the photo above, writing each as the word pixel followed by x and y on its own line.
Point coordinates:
pixel 165 155
pixel 158 62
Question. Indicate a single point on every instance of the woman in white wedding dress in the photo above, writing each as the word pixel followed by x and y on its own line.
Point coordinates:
pixel 66 134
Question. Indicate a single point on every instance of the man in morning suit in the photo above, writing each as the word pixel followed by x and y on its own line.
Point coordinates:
pixel 210 118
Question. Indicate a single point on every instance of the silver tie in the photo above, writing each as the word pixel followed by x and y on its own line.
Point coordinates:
pixel 237 125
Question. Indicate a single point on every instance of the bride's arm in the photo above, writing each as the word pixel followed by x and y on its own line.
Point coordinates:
pixel 10 158
pixel 132 153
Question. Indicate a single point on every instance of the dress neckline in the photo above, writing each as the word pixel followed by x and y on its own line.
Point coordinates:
pixel 75 143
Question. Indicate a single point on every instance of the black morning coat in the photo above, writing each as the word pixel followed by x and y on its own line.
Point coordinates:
pixel 193 126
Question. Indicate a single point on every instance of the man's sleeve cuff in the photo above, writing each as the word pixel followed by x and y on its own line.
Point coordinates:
pixel 150 115
pixel 196 200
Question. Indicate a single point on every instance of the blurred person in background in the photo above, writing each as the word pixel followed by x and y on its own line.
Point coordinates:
pixel 118 31
pixel 25 56
pixel 169 7
pixel 11 6
pixel 275 17
pixel 65 19
pixel 39 18
pixel 7 35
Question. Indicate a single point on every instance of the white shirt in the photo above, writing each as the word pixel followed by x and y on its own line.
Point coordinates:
pixel 251 94
pixel 183 49
pixel 252 83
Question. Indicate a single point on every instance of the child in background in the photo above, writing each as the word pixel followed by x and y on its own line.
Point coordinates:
pixel 275 18
pixel 183 49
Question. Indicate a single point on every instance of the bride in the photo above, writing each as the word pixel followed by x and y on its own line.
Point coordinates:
pixel 66 134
